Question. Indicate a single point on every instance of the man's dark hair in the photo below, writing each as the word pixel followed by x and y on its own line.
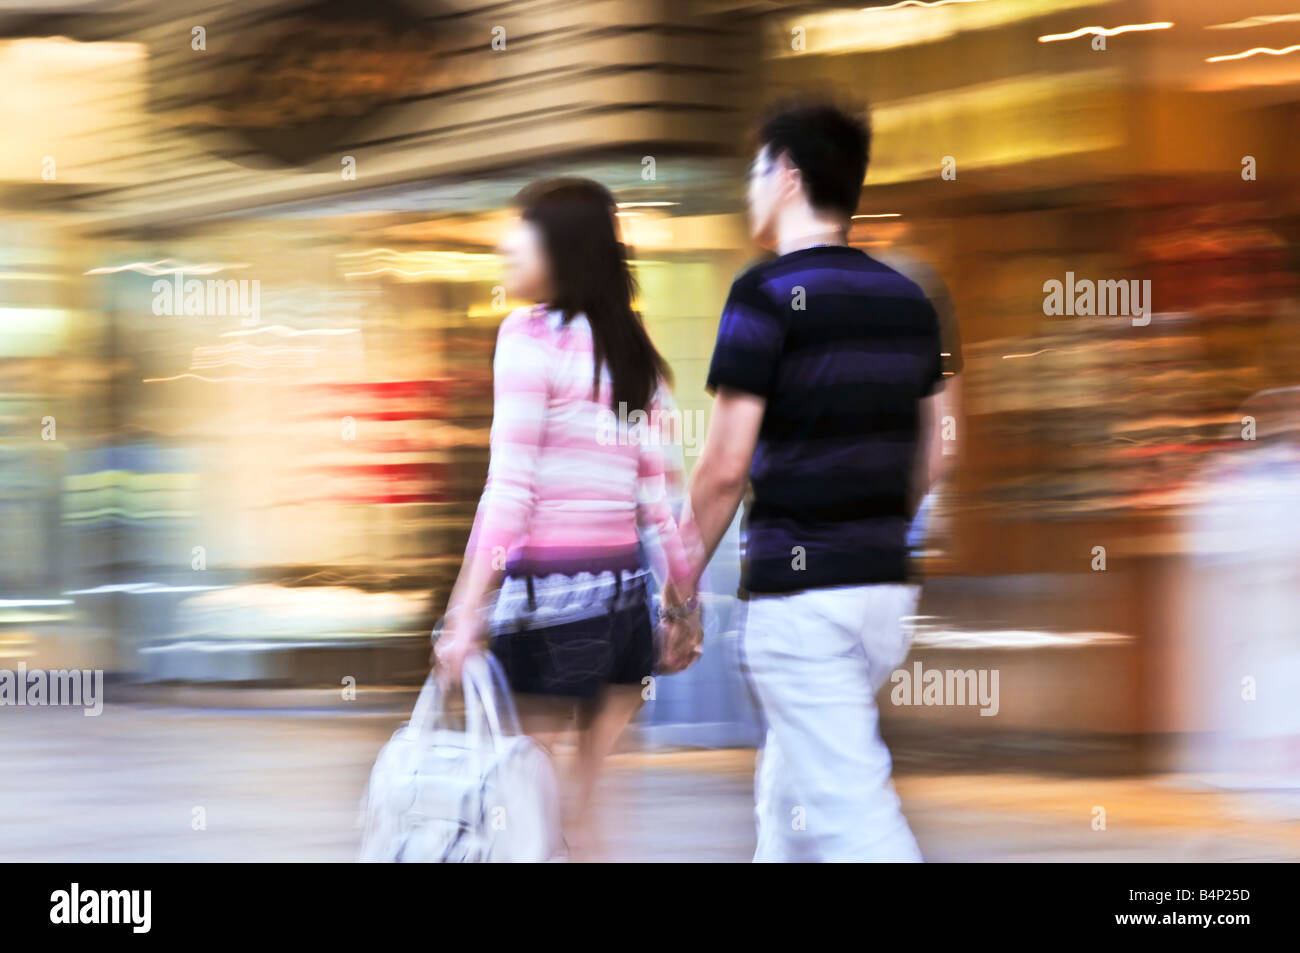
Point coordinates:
pixel 827 144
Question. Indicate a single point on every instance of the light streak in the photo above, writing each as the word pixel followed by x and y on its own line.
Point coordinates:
pixel 160 267
pixel 1007 357
pixel 1247 53
pixel 200 377
pixel 1104 31
pixel 285 332
pixel 916 3
pixel 1264 20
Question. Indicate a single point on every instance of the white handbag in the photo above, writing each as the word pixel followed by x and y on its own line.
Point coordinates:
pixel 482 794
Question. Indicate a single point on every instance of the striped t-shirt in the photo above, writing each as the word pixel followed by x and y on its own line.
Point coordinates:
pixel 843 348
pixel 568 484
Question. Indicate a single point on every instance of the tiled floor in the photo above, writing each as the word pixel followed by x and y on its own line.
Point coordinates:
pixel 129 784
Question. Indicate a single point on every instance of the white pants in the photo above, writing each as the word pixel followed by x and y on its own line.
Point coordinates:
pixel 815 660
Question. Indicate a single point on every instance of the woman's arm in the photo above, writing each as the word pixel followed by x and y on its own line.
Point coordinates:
pixel 658 468
pixel 520 391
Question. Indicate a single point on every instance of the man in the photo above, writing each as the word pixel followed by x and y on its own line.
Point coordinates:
pixel 825 375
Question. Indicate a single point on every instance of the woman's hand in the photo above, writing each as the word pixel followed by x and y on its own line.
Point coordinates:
pixel 680 644
pixel 461 638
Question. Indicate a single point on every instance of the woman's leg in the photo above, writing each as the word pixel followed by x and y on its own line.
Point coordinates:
pixel 610 714
pixel 545 718
pixel 548 719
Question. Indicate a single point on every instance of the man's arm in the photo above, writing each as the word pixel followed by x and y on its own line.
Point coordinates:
pixel 719 481
pixel 929 450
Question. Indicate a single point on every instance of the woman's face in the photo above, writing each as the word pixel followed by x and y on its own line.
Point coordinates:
pixel 526 273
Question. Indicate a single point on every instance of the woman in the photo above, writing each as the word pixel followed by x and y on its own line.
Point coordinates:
pixel 568 485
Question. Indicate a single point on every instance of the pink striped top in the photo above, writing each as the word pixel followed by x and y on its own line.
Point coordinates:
pixel 567 487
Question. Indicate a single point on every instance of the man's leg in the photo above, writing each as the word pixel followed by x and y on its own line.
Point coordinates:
pixel 775 801
pixel 811 673
pixel 777 811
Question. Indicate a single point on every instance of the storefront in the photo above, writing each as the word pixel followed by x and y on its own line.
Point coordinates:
pixel 281 461
pixel 286 305
pixel 1083 436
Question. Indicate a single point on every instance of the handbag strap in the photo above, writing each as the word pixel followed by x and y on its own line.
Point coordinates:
pixel 487 699
pixel 488 680
pixel 429 708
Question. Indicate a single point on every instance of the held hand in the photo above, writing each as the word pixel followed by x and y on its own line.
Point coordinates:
pixel 680 644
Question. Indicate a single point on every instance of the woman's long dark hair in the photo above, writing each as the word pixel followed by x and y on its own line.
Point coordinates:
pixel 590 275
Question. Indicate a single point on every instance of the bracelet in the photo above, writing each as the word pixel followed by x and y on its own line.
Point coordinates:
pixel 678 613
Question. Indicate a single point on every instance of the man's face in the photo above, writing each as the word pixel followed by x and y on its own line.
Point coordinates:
pixel 766 183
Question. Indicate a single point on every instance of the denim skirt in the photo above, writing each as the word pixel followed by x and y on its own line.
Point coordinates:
pixel 572 635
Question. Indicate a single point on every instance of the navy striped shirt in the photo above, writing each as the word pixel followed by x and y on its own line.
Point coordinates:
pixel 843 349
